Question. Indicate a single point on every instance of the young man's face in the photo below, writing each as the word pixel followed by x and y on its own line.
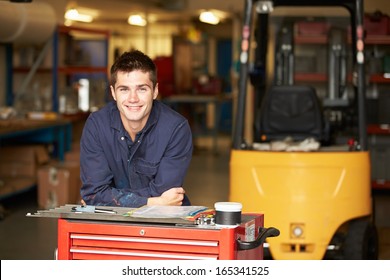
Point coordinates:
pixel 134 95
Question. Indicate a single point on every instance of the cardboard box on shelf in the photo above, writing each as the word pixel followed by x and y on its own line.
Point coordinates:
pixel 22 160
pixel 10 186
pixel 59 184
pixel 376 23
pixel 73 155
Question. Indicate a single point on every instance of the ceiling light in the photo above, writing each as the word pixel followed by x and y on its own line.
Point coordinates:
pixel 264 7
pixel 136 20
pixel 208 17
pixel 73 14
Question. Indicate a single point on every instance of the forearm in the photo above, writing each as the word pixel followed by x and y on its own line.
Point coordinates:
pixel 154 201
pixel 110 196
pixel 173 197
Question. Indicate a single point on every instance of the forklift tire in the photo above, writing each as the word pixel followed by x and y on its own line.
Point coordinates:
pixel 361 241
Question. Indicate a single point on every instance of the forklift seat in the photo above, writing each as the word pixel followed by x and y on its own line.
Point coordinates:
pixel 290 111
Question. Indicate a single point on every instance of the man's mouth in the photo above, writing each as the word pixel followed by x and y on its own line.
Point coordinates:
pixel 133 107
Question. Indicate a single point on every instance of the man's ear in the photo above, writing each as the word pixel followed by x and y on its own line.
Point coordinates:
pixel 155 91
pixel 113 93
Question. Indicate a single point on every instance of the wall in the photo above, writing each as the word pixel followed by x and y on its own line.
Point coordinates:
pixel 58 6
pixel 153 40
pixel 373 5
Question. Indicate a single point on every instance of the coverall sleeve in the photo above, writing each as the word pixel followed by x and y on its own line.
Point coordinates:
pixel 175 161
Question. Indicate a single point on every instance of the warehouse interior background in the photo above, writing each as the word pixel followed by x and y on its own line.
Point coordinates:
pixel 47 61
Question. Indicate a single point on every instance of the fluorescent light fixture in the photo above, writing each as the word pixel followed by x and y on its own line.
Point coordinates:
pixel 209 17
pixel 73 14
pixel 264 7
pixel 136 20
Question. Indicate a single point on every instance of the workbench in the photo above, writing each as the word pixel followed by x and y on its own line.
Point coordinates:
pixel 57 132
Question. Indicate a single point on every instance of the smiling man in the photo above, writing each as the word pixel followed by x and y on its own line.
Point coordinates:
pixel 135 151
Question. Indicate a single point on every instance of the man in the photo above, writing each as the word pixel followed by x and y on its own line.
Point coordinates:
pixel 135 151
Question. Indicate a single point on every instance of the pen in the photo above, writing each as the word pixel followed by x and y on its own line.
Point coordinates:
pixel 92 209
pixel 99 210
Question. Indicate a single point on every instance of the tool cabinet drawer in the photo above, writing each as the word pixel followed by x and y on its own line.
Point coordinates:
pixel 101 253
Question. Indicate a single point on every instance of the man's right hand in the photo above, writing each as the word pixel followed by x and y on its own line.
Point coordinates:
pixel 173 197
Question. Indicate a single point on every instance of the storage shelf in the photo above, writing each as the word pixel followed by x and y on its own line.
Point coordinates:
pixel 322 77
pixel 379 129
pixel 67 29
pixel 81 69
pixel 379 78
pixel 27 69
pixel 380 185
pixel 94 41
pixel 323 39
pixel 377 40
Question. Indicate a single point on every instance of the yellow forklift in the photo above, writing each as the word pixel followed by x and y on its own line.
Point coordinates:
pixel 306 163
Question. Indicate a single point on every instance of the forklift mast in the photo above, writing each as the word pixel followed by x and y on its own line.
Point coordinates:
pixel 285 56
pixel 257 73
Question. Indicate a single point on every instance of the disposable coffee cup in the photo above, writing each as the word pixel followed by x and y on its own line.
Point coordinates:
pixel 227 213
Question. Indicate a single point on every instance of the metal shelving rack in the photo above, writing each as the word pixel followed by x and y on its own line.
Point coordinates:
pixel 56 70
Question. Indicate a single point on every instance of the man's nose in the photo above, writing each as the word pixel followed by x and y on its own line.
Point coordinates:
pixel 133 96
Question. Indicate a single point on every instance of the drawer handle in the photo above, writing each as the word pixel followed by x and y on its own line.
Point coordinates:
pixel 263 234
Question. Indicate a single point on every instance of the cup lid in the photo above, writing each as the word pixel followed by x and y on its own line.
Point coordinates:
pixel 228 206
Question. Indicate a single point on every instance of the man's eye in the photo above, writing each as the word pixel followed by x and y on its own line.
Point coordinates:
pixel 142 89
pixel 123 89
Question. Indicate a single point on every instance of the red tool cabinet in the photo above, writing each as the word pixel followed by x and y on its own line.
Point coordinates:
pixel 98 240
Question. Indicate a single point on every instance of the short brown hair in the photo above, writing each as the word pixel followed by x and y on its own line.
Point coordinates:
pixel 134 60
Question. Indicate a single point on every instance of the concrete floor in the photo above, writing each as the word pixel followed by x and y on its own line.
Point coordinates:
pixel 23 238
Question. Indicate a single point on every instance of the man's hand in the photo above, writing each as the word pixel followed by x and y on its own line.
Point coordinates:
pixel 171 197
